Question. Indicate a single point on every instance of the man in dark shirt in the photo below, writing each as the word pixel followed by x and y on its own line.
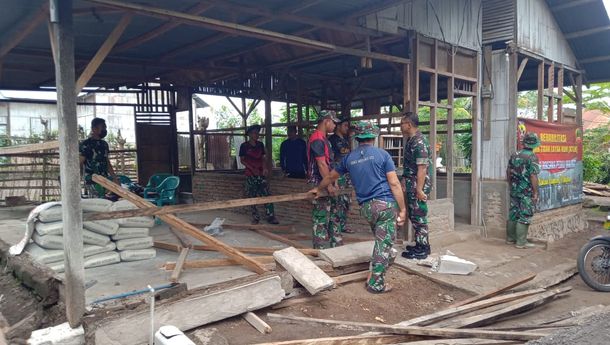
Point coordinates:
pixel 252 155
pixel 293 155
pixel 379 195
pixel 94 157
pixel 341 147
pixel 320 157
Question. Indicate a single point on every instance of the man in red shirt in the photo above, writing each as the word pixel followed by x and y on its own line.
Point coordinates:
pixel 320 156
pixel 252 155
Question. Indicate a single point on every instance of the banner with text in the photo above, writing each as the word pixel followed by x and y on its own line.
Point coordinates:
pixel 560 156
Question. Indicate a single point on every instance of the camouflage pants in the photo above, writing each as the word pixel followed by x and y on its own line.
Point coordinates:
pixel 521 209
pixel 381 215
pixel 343 202
pixel 326 224
pixel 418 215
pixel 256 186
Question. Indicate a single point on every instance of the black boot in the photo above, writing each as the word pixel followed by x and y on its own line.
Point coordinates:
pixel 418 252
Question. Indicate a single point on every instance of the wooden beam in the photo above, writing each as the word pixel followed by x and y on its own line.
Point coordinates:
pixel 24 28
pixel 280 238
pixel 560 94
pixel 450 130
pixel 179 265
pixel 20 149
pixel 495 292
pixel 185 241
pixel 413 330
pixel 160 30
pixel 521 68
pixel 582 33
pixel 347 340
pixel 101 54
pixel 540 102
pixel 249 250
pixel 433 126
pixel 268 227
pixel 181 225
pixel 52 41
pixel 550 89
pixel 261 260
pixel 578 93
pixel 257 322
pixel 243 30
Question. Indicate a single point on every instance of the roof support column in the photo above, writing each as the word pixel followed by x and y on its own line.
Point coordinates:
pixel 69 170
pixel 268 119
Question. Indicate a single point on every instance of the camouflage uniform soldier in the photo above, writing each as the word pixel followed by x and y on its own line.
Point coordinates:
pixel 522 174
pixel 378 192
pixel 326 227
pixel 341 147
pixel 416 179
pixel 94 158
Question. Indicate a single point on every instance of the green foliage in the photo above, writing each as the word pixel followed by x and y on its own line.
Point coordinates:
pixel 225 118
pixel 596 155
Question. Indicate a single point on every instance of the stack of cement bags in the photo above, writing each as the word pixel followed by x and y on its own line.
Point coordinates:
pixel 105 241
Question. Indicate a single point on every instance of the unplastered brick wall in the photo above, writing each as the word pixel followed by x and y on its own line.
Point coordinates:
pixel 210 186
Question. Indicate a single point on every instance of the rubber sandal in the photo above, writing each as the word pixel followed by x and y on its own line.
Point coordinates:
pixel 386 289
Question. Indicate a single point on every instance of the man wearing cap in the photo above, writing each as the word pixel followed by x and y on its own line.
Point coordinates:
pixel 320 156
pixel 522 175
pixel 252 156
pixel 379 194
pixel 416 178
pixel 340 144
pixel 293 155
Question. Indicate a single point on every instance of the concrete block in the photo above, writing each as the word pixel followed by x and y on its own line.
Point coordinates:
pixel 449 264
pixel 349 254
pixel 61 335
pixel 303 270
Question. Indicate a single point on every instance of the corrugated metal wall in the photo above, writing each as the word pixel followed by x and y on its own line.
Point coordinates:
pixel 460 20
pixel 538 31
pixel 499 19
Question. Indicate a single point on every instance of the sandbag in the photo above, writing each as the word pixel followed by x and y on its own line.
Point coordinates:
pixel 137 222
pixel 45 256
pixel 104 227
pixel 124 233
pixel 138 254
pixel 96 205
pixel 90 237
pixel 135 243
pixel 123 205
pixel 54 228
pixel 49 241
pixel 103 259
pixel 52 214
pixel 89 249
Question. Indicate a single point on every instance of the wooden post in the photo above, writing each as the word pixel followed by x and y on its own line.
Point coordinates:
pixel 540 103
pixel 61 17
pixel 406 87
pixel 433 102
pixel 268 137
pixel 551 93
pixel 299 107
pixel 578 93
pixel 450 125
pixel 487 86
pixel 415 74
pixel 560 95
pixel 191 135
pixel 475 180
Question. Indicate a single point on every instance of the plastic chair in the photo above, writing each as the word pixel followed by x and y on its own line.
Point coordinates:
pixel 154 181
pixel 165 193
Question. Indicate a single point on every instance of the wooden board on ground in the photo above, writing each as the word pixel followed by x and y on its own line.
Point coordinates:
pixel 303 270
pixel 201 307
pixel 553 276
pixel 300 300
pixel 512 309
pixel 352 277
pixel 413 330
pixel 495 292
pixel 462 342
pixel 257 322
pixel 207 263
pixel 346 238
pixel 249 250
pixel 179 265
pixel 348 340
pixel 268 227
pixel 184 240
pixel 348 254
pixel 183 226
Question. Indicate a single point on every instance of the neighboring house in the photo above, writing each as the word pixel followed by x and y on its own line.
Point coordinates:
pixel 594 118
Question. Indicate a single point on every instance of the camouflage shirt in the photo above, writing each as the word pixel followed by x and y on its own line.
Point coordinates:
pixel 417 152
pixel 340 148
pixel 96 156
pixel 521 166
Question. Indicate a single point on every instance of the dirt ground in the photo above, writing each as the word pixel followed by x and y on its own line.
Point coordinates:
pixel 595 332
pixel 411 296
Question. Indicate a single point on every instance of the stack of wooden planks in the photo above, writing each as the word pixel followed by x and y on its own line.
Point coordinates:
pixel 596 189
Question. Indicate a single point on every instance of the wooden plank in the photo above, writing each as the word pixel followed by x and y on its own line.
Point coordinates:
pixel 560 95
pixel 512 309
pixel 495 292
pixel 197 309
pixel 521 68
pixel 280 238
pixel 101 54
pixel 540 103
pixel 183 226
pixel 296 301
pixel 347 340
pixel 348 254
pixel 463 342
pixel 184 240
pixel 179 265
pixel 257 322
pixel 413 330
pixel 167 246
pixel 263 260
pixel 243 30
pixel 24 29
pixel 352 277
pixel 249 250
pixel 18 149
pixel 268 227
pixel 303 270
pixel 550 87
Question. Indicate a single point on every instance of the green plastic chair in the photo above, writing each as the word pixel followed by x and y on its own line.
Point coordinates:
pixel 154 181
pixel 165 193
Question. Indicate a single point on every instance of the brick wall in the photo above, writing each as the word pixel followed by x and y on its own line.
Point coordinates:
pixel 211 186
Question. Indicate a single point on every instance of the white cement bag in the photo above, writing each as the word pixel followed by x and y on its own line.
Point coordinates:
pixel 104 227
pixel 96 205
pixel 45 256
pixel 124 233
pixel 123 205
pixel 138 254
pixel 89 249
pixel 54 228
pixel 29 227
pixel 134 243
pixel 49 241
pixel 137 222
pixel 103 259
pixel 58 267
pixel 52 214
pixel 90 237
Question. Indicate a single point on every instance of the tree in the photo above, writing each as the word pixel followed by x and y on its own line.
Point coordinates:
pixel 596 155
pixel 225 118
